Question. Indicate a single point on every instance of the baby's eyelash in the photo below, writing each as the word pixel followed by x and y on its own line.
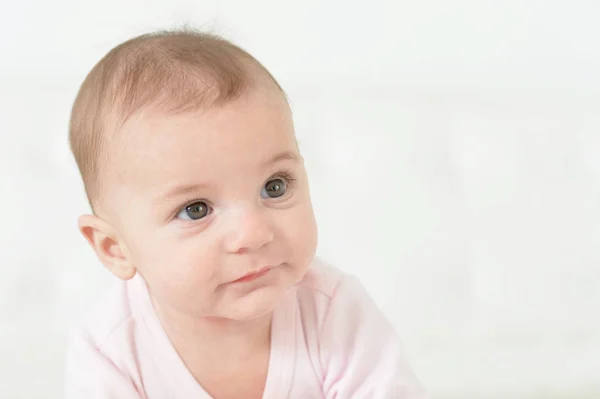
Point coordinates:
pixel 286 175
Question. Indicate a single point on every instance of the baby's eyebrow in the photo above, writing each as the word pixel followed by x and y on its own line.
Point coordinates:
pixel 284 156
pixel 177 190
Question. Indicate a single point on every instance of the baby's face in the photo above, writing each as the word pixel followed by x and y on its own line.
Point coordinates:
pixel 203 199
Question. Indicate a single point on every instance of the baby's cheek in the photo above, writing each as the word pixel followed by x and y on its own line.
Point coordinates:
pixel 193 266
pixel 181 284
pixel 162 263
pixel 304 235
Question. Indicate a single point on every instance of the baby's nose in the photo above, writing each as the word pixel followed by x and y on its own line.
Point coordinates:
pixel 248 230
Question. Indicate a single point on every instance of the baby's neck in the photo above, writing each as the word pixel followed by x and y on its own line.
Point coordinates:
pixel 216 340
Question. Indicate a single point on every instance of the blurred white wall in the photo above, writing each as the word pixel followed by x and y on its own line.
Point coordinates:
pixel 459 140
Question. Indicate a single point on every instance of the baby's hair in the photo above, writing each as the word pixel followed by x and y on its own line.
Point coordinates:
pixel 172 71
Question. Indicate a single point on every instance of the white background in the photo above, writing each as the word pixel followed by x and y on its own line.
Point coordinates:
pixel 454 154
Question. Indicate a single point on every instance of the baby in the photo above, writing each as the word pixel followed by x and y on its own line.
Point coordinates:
pixel 201 208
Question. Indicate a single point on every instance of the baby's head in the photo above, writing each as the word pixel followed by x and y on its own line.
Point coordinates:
pixel 188 155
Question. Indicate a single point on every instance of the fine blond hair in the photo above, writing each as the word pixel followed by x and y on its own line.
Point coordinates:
pixel 174 71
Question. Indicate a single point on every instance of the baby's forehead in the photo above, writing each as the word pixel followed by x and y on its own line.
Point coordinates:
pixel 258 109
pixel 248 132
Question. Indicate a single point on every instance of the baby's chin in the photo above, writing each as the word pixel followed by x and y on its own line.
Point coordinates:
pixel 254 304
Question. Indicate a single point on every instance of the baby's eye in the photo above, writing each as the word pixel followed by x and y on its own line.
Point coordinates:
pixel 194 211
pixel 274 188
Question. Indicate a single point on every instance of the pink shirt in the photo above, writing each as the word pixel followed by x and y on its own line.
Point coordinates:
pixel 328 340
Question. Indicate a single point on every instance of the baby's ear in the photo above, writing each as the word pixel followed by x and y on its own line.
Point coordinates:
pixel 104 241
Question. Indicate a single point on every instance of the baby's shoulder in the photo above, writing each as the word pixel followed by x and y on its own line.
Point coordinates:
pixel 109 317
pixel 103 347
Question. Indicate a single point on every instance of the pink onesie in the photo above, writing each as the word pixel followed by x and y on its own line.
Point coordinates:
pixel 328 340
